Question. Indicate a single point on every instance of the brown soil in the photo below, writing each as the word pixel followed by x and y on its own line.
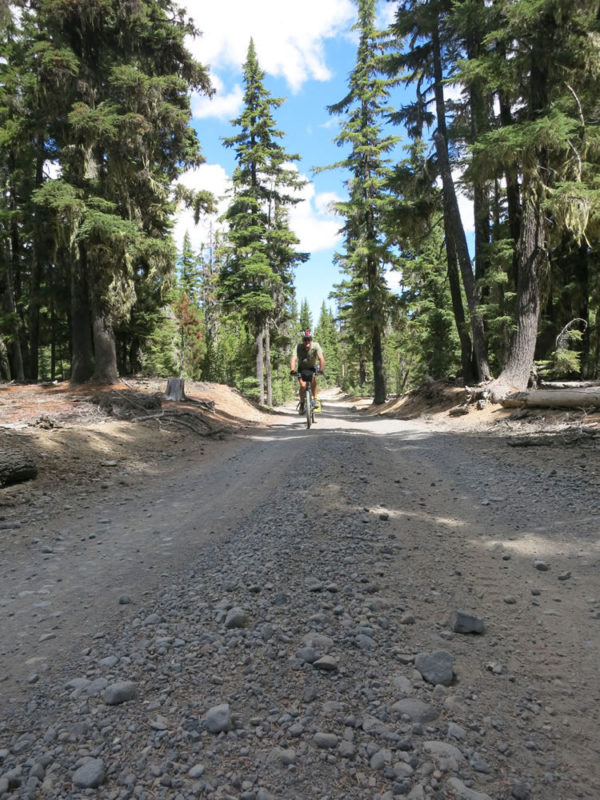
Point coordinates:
pixel 77 436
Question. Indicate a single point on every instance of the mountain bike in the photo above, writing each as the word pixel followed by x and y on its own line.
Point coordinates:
pixel 309 403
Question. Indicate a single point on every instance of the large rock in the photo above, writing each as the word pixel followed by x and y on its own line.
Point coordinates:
pixel 437 667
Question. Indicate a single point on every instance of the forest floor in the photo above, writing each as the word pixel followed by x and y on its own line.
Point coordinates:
pixel 490 511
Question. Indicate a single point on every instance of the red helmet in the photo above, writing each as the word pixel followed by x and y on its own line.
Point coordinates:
pixel 306 336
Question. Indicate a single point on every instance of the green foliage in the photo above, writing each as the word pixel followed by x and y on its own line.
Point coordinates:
pixel 365 296
pixel 160 351
pixel 258 255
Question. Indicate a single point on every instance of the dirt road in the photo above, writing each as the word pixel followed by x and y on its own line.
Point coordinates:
pixel 369 532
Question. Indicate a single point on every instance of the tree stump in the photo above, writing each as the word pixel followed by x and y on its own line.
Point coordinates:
pixel 175 389
pixel 16 469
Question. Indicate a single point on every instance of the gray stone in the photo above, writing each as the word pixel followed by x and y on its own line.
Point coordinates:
pixel 436 667
pixel 218 718
pixel 236 618
pixel 447 757
pixel 90 775
pixel 120 692
pixel 467 623
pixel 462 792
pixel 326 664
pixel 326 741
pixel 415 709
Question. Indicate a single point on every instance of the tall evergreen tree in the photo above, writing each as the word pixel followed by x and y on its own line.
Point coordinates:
pixel 326 334
pixel 367 253
pixel 305 317
pixel 122 75
pixel 540 60
pixel 256 275
pixel 429 58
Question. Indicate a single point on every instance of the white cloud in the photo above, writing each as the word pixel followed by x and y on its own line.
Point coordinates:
pixel 314 221
pixel 386 15
pixel 221 105
pixel 210 177
pixel 465 206
pixel 288 37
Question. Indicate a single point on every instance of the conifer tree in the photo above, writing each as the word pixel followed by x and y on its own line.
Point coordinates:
pixel 429 55
pixel 256 275
pixel 366 252
pixel 122 75
pixel 305 317
pixel 327 335
pixel 540 61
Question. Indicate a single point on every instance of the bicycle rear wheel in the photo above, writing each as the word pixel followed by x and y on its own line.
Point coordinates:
pixel 308 407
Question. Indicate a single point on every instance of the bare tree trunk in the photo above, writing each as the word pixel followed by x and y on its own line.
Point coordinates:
pixel 81 326
pixel 452 218
pixel 39 248
pixel 466 350
pixel 260 366
pixel 16 354
pixel 268 365
pixel 4 363
pixel 105 351
pixel 379 392
pixel 532 263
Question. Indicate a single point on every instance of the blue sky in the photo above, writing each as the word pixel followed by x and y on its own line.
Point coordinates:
pixel 307 51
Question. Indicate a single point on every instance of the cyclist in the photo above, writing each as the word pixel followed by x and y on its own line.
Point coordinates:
pixel 306 356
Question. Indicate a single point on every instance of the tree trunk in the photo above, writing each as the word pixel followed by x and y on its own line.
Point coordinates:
pixel 175 389
pixel 268 365
pixel 553 398
pixel 14 348
pixel 4 362
pixel 260 366
pixel 466 350
pixel 82 362
pixel 105 351
pixel 453 219
pixel 532 264
pixel 379 393
pixel 38 251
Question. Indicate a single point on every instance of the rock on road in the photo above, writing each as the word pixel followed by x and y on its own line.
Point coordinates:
pixel 370 609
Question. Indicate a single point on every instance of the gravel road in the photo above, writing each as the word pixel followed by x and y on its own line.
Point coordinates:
pixel 370 609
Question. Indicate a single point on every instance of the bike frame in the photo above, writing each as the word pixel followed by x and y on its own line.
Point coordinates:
pixel 306 376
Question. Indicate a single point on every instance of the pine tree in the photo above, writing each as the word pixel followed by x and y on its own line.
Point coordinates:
pixel 305 316
pixel 540 60
pixel 256 275
pixel 366 252
pixel 326 334
pixel 431 49
pixel 122 135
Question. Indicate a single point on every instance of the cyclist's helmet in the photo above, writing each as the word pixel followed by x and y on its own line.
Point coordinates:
pixel 306 336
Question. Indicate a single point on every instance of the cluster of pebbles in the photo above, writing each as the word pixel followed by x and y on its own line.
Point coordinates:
pixel 286 663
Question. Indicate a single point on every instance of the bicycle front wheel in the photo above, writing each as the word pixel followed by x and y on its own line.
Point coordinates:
pixel 308 407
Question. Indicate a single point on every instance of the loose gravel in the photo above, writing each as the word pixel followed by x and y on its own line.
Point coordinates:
pixel 369 628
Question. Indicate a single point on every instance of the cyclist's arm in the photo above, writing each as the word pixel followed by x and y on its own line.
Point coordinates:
pixel 293 362
pixel 321 362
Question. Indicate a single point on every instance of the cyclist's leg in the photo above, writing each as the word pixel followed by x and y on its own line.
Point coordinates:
pixel 301 392
pixel 313 386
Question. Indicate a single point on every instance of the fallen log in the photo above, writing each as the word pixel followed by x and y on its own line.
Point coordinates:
pixel 16 469
pixel 553 398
